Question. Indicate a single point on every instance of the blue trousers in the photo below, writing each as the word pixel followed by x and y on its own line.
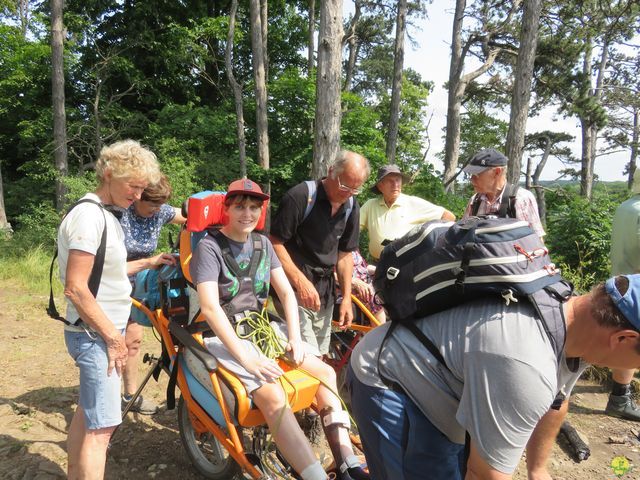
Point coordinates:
pixel 399 442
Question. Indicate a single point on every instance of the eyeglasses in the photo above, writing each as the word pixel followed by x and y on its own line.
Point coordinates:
pixel 344 188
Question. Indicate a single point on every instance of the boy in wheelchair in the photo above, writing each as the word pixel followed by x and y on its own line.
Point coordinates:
pixel 226 297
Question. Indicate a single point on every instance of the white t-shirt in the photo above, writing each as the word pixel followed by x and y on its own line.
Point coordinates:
pixel 81 230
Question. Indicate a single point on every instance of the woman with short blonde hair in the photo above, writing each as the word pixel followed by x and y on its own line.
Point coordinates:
pixel 98 316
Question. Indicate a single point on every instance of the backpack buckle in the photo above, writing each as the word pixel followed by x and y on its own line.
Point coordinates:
pixel 392 273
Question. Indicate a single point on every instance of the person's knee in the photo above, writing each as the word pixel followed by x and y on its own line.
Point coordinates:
pixel 270 399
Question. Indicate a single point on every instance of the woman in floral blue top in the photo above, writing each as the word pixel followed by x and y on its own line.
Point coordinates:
pixel 141 223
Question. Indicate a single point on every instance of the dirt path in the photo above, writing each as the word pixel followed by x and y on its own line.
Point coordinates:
pixel 38 390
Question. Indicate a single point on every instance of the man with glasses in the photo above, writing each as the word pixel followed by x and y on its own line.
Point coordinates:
pixel 312 243
pixel 392 214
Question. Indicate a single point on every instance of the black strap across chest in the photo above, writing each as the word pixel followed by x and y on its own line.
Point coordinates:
pixel 507 204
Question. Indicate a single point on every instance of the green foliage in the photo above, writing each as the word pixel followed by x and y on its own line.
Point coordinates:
pixel 429 186
pixel 28 268
pixel 480 129
pixel 579 234
pixel 38 227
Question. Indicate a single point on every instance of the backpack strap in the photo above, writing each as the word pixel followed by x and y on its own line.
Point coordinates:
pixel 229 259
pixel 508 202
pixel 312 193
pixel 475 206
pixel 547 303
pixel 96 271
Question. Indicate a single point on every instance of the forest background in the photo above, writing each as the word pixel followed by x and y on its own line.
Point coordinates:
pixel 271 88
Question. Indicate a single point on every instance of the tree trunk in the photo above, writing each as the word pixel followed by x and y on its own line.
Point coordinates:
pixel 353 46
pixel 634 145
pixel 57 90
pixel 522 88
pixel 264 21
pixel 539 189
pixel 327 121
pixel 396 90
pixel 23 7
pixel 237 90
pixel 258 62
pixel 312 32
pixel 458 82
pixel 96 115
pixel 454 102
pixel 588 123
pixel 5 226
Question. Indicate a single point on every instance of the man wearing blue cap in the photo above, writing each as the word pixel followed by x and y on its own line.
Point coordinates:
pixel 499 377
pixel 494 196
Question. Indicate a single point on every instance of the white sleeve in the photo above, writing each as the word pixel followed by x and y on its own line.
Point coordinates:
pixel 83 228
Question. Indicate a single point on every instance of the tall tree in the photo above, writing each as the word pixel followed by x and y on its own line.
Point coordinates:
pixel 522 88
pixel 5 226
pixel 580 38
pixel 237 90
pixel 351 40
pixel 57 89
pixel 327 122
pixel 258 61
pixel 492 22
pixel 549 144
pixel 311 48
pixel 396 90
pixel 623 98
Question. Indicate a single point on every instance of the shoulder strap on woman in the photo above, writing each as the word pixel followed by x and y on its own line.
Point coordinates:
pixel 96 272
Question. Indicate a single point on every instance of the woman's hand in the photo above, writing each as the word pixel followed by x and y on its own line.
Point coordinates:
pixel 264 368
pixel 162 259
pixel 295 349
pixel 363 290
pixel 117 353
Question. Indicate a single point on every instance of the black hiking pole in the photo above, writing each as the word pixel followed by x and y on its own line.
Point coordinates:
pixel 154 361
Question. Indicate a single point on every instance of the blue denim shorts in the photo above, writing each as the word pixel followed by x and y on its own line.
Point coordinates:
pixel 99 393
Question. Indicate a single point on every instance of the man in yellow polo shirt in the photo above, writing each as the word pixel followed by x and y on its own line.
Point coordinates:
pixel 392 214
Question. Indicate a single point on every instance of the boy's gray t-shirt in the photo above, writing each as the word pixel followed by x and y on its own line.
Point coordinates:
pixel 208 264
pixel 502 368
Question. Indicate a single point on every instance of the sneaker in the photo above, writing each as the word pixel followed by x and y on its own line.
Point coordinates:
pixel 141 405
pixel 623 406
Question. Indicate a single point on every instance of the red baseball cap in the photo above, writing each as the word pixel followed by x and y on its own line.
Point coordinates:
pixel 244 186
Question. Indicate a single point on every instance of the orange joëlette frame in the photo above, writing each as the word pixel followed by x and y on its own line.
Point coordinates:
pixel 247 417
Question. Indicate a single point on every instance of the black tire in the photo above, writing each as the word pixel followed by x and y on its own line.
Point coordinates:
pixel 209 458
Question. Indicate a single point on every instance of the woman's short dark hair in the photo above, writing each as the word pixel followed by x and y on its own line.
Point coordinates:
pixel 158 192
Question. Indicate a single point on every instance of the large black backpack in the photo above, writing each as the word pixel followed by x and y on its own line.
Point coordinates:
pixel 439 265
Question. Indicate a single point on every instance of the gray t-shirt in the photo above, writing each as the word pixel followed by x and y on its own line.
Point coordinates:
pixel 208 265
pixel 503 374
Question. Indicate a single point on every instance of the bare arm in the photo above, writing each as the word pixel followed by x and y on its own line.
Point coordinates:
pixel 306 293
pixel 542 440
pixel 344 269
pixel 76 289
pixel 178 219
pixel 135 266
pixel 261 367
pixel 478 469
